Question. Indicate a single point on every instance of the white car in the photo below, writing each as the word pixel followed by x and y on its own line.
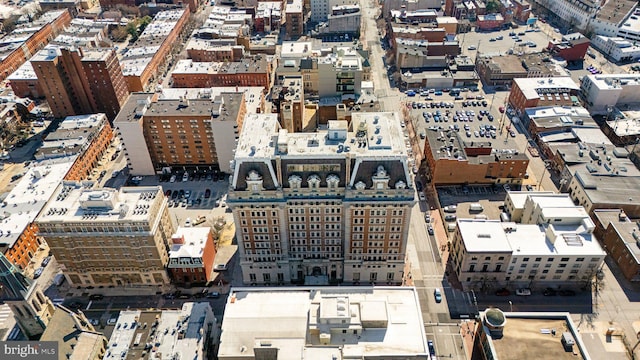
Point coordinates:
pixel 185 177
pixel 173 179
pixel 221 267
pixel 421 196
pixel 523 292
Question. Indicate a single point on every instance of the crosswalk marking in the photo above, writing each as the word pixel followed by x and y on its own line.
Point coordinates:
pixel 5 313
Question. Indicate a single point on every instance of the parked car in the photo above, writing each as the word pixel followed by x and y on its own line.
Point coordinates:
pixel 45 261
pixel 112 321
pixel 432 349
pixel 549 292
pixel 38 272
pixel 503 292
pixel 96 297
pixel 430 230
pixel 437 294
pixel 523 292
pixel 213 295
pixel 450 208
pixel 450 217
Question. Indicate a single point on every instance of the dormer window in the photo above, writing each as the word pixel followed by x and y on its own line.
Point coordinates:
pixel 254 182
pixel 401 185
pixel 333 181
pixel 314 182
pixel 380 179
pixel 360 185
pixel 295 182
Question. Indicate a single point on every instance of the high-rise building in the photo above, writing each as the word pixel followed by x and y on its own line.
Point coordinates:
pixel 327 206
pixel 76 82
pixel 107 236
pixel 183 133
pixel 31 308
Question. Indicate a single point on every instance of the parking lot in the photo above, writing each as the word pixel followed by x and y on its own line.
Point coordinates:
pixel 472 119
pixel 491 197
pixel 474 42
pixel 197 204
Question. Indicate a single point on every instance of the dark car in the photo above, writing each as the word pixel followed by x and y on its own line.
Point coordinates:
pixel 567 293
pixel 174 195
pixel 96 297
pixel 213 295
pixel 207 193
pixel 45 261
pixel 418 186
pixel 549 292
pixel 169 296
pixel 432 349
pixel 167 193
pixel 503 292
pixel 430 230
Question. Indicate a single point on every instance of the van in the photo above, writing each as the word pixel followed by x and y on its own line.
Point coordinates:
pixel 477 207
pixel 481 217
pixel 504 217
pixel 451 227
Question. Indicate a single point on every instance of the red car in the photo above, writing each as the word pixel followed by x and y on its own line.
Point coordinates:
pixel 501 108
pixel 503 292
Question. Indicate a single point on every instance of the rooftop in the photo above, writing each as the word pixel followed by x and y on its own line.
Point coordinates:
pixel 528 335
pixel 73 333
pixel 380 321
pixel 133 109
pixel 187 247
pixel 72 137
pixel 371 133
pixel 293 6
pixel 151 334
pixel 629 125
pixel 518 198
pixel 614 11
pixel 533 87
pixel 628 230
pixel 24 72
pixel 614 81
pixel 494 236
pixel 80 202
pixel 29 197
pixel 253 96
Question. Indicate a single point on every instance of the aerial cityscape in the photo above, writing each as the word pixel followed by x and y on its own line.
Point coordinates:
pixel 320 179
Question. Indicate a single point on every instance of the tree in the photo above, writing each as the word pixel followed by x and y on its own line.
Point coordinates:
pixel 493 6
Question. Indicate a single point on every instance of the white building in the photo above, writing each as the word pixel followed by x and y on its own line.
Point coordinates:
pixel 340 73
pixel 617 18
pixel 130 127
pixel 320 9
pixel 323 323
pixel 186 333
pixel 553 246
pixel 608 90
pixel 617 48
pixel 577 13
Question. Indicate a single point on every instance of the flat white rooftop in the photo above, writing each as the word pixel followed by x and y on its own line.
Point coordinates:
pixel 483 235
pixel 371 134
pixel 307 323
pixel 518 198
pixel 530 86
pixel 493 236
pixel 29 196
